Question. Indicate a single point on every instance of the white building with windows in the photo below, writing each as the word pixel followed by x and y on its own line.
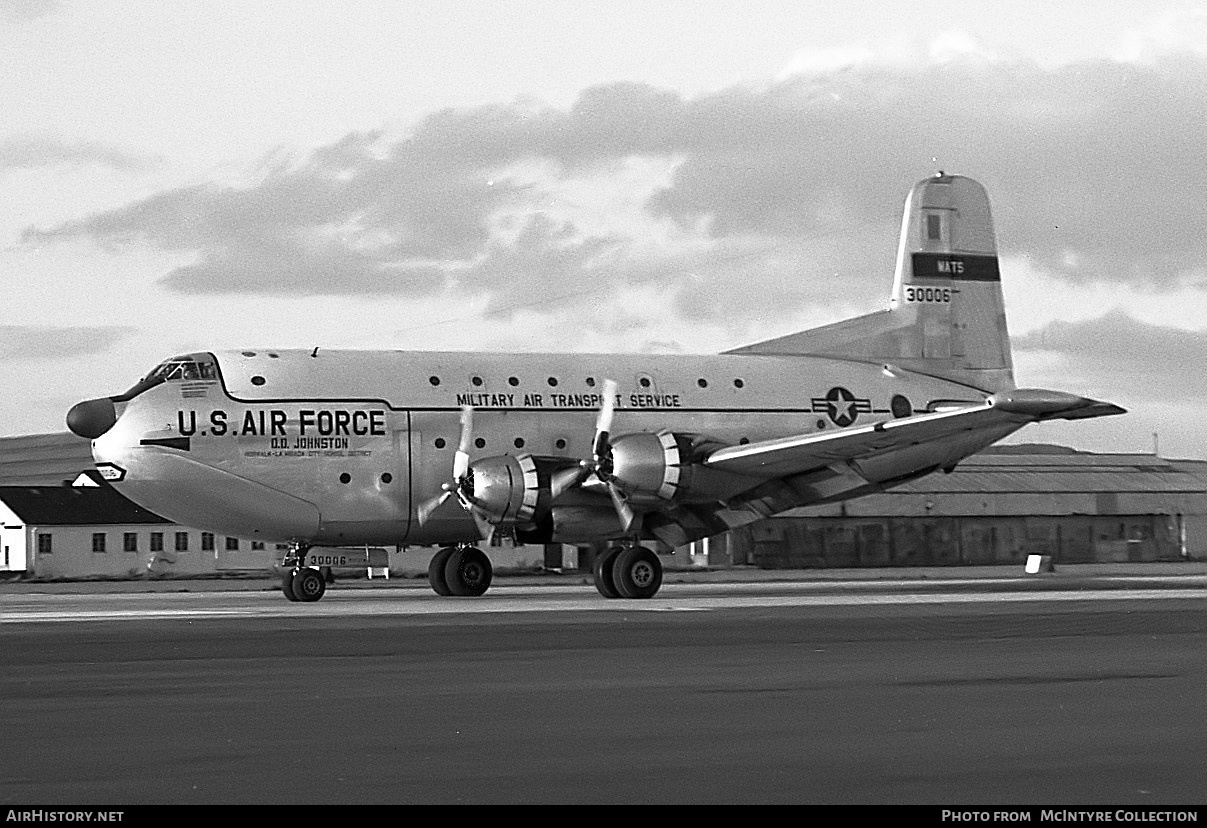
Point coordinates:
pixel 88 530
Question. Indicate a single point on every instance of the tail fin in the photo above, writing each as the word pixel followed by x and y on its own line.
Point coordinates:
pixel 946 317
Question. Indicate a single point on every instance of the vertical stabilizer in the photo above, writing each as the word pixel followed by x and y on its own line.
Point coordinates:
pixel 946 315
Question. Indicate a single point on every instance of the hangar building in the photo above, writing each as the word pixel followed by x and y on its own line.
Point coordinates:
pixel 58 519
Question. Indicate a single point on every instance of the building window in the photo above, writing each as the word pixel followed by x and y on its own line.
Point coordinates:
pixel 257 545
pixel 130 542
pixel 157 541
pixel 98 541
pixel 232 544
pixel 182 541
pixel 45 545
pixel 207 541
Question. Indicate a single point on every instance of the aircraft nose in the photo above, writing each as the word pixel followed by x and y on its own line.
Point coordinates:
pixel 92 418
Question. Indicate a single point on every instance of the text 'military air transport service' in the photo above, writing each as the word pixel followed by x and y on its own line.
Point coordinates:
pixel 317 448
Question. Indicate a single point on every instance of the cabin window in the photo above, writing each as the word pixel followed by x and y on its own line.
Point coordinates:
pixel 130 542
pixel 590 382
pixel 98 541
pixel 703 383
pixel 513 381
pixel 45 544
pixel 434 380
pixel 738 383
pixel 901 406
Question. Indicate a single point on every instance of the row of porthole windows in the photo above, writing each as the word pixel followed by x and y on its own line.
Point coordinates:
pixel 644 382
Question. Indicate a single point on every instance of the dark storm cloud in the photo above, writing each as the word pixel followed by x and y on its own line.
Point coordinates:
pixel 1091 170
pixel 34 151
pixel 34 342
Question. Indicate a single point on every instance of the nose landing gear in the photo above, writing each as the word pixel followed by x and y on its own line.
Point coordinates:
pixel 300 582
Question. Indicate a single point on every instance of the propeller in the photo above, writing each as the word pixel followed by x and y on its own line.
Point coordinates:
pixel 460 470
pixel 600 464
pixel 600 448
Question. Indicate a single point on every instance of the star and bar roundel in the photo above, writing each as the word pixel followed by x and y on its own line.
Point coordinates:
pixel 841 406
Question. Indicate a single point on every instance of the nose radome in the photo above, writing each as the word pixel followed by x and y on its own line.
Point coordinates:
pixel 92 418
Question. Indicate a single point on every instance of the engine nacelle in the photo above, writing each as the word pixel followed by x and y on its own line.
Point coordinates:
pixel 647 464
pixel 505 488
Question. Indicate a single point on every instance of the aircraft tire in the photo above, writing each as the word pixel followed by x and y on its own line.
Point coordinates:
pixel 603 570
pixel 308 584
pixel 435 571
pixel 287 585
pixel 637 573
pixel 468 572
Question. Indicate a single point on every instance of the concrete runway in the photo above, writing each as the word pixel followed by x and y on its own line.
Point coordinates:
pixel 948 688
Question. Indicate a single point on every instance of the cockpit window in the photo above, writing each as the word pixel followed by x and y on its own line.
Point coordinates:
pixel 193 367
pixel 185 369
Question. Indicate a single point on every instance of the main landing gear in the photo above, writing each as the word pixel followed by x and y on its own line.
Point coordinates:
pixel 300 582
pixel 628 571
pixel 461 570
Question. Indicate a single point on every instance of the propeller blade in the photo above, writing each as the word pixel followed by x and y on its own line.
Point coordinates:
pixel 566 479
pixel 461 458
pixel 430 505
pixel 623 510
pixel 603 423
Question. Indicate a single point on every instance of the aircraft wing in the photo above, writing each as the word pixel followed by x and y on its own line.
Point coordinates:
pixel 794 455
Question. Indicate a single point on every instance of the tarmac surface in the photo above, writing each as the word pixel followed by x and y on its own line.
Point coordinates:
pixel 251 580
pixel 955 686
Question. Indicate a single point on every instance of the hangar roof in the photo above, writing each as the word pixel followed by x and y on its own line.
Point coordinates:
pixel 1059 474
pixel 74 506
pixel 43 459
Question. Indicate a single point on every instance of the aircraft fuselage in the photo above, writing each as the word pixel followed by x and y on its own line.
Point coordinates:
pixel 341 447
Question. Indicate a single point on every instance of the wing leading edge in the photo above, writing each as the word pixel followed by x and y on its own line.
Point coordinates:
pixel 786 456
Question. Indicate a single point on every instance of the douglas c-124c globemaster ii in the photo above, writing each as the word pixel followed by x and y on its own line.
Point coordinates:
pixel 343 448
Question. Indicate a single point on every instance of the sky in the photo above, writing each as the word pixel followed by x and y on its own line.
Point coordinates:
pixel 675 176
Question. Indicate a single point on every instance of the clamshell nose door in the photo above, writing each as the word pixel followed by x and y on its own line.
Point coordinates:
pixel 92 418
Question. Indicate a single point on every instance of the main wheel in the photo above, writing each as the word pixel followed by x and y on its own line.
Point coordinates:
pixel 308 584
pixel 605 582
pixel 287 585
pixel 468 571
pixel 637 573
pixel 435 571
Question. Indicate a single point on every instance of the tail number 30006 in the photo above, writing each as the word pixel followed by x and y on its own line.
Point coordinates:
pixel 933 295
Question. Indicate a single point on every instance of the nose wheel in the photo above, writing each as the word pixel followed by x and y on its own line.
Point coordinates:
pixel 300 582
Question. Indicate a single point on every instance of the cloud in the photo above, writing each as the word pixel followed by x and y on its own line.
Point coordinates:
pixel 30 151
pixel 1140 361
pixel 24 11
pixel 38 343
pixel 779 199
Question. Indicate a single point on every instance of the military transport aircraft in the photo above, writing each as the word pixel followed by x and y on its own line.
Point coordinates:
pixel 620 452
